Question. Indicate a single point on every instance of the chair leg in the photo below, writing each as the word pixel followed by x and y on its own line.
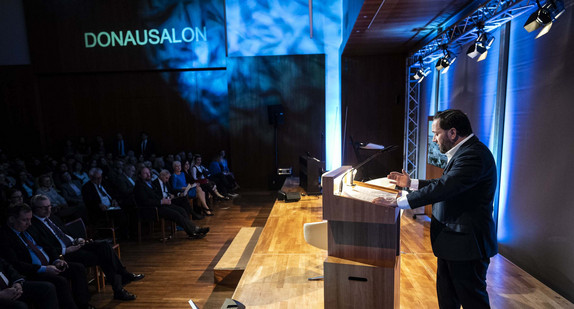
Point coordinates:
pixel 101 279
pixel 162 223
pixel 173 229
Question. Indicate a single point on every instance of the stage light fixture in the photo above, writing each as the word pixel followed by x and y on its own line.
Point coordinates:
pixel 480 46
pixel 544 16
pixel 422 72
pixel 444 63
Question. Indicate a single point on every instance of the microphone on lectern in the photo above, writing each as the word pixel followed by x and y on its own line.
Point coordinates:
pixel 382 150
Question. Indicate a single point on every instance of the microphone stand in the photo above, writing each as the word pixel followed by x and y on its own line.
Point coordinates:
pixel 378 153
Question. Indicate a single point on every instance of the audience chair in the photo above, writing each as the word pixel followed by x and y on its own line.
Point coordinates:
pixel 151 216
pixel 77 229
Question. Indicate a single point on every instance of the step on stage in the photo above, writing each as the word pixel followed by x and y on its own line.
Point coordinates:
pixel 277 274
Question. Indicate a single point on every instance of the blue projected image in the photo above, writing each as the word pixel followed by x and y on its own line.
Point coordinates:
pixel 198 28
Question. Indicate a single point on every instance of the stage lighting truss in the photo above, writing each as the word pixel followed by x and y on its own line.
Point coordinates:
pixel 481 46
pixel 444 63
pixel 544 16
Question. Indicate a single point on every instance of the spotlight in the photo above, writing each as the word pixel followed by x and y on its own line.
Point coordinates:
pixel 544 16
pixel 480 46
pixel 443 64
pixel 421 73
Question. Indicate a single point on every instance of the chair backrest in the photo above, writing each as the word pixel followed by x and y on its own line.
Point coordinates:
pixel 316 234
pixel 77 228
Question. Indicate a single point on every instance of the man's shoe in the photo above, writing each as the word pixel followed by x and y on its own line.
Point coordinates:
pixel 202 230
pixel 232 195
pixel 196 236
pixel 130 277
pixel 124 295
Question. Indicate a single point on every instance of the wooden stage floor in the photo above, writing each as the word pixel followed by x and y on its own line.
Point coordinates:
pixel 276 275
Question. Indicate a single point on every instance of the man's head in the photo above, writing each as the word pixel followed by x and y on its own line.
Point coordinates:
pixel 45 181
pixel 19 217
pixel 164 176
pixel 450 127
pixel 41 205
pixel 96 175
pixel 15 197
pixel 129 170
pixel 145 174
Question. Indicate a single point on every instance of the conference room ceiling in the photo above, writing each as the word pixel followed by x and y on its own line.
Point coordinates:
pixel 403 26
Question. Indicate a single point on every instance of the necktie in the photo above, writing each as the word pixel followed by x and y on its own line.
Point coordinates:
pixel 34 249
pixel 59 233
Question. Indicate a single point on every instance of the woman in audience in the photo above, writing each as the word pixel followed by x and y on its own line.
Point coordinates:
pixel 200 175
pixel 180 184
pixel 59 205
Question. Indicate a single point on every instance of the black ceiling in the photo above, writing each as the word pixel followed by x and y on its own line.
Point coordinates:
pixel 403 26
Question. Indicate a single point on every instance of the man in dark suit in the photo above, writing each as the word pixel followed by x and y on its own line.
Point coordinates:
pixel 463 233
pixel 51 234
pixel 163 186
pixel 23 252
pixel 102 207
pixel 146 196
pixel 15 291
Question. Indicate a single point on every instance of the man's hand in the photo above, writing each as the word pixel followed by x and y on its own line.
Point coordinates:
pixel 10 293
pixel 165 201
pixel 74 248
pixel 391 202
pixel 52 270
pixel 400 179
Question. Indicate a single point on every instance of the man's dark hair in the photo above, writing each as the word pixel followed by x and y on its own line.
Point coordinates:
pixel 15 210
pixel 454 118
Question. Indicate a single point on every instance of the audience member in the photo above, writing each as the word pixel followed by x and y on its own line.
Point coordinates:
pixel 124 186
pixel 22 251
pixel 146 147
pixel 120 148
pixel 25 183
pixel 15 292
pixel 200 175
pixel 222 180
pixel 102 208
pixel 146 196
pixel 79 174
pixel 72 192
pixel 51 234
pixel 180 184
pixel 59 204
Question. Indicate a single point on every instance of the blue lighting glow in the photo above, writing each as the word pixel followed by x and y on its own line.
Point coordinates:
pixel 518 76
pixel 273 28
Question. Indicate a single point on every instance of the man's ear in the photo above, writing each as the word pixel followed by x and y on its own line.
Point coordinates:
pixel 11 220
pixel 452 134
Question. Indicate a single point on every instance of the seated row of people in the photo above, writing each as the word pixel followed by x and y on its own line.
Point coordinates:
pixel 38 246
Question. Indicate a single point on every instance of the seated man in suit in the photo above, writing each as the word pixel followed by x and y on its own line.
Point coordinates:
pixel 164 187
pixel 23 252
pixel 15 291
pixel 146 196
pixel 101 206
pixel 123 186
pixel 51 234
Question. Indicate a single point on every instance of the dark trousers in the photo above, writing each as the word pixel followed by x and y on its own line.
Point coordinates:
pixel 177 215
pixel 76 297
pixel 103 255
pixel 40 294
pixel 462 283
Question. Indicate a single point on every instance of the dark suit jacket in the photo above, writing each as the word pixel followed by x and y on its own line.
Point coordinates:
pixel 146 196
pixel 69 194
pixel 15 252
pixel 10 272
pixel 462 227
pixel 44 236
pixel 123 188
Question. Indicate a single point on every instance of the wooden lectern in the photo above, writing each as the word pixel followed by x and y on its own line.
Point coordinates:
pixel 363 266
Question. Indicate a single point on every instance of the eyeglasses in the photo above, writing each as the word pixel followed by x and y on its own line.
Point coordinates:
pixel 45 207
pixel 16 196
